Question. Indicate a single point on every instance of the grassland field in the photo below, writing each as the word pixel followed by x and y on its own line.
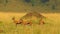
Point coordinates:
pixel 52 25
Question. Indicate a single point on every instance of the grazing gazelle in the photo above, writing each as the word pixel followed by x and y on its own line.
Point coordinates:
pixel 17 21
pixel 24 22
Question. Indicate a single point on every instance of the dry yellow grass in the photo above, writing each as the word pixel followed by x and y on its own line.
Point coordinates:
pixel 51 26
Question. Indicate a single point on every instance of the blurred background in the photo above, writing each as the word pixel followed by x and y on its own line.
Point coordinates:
pixel 45 6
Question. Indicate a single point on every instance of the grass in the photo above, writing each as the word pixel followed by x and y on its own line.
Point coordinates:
pixel 52 25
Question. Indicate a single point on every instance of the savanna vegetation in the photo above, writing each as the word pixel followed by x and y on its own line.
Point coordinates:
pixel 51 25
pixel 19 9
